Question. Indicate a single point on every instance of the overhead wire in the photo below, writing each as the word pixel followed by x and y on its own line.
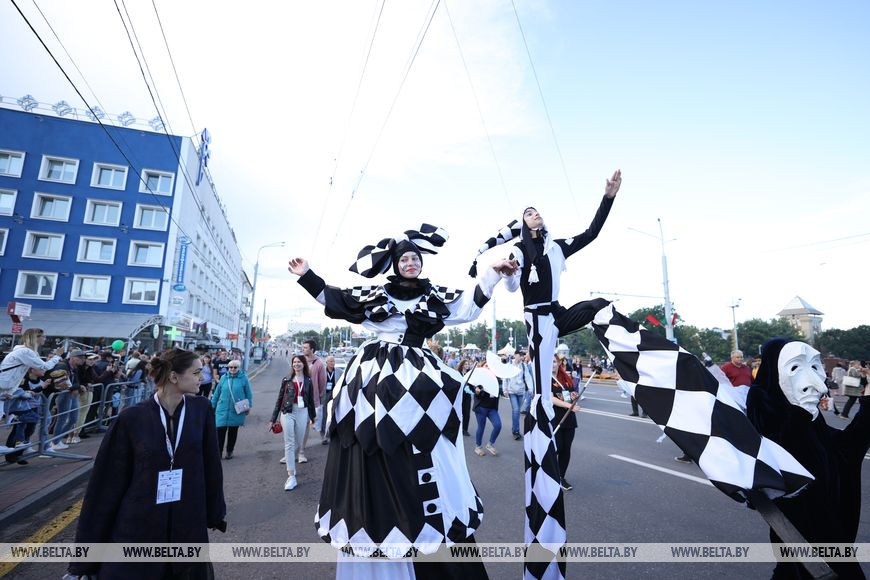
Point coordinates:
pixel 546 109
pixel 347 128
pixel 174 70
pixel 421 36
pixel 101 124
pixel 477 104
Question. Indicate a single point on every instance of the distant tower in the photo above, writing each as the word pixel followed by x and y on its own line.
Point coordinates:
pixel 804 317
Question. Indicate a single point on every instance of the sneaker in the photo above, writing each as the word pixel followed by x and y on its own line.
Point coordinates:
pixel 491 449
pixel 632 414
pixel 229 455
pixel 75 440
pixel 479 451
pixel 517 436
pixel 566 486
pixel 302 458
pixel 683 458
pixel 466 434
pixel 291 483
pixel 59 446
pixel 283 459
pixel 324 441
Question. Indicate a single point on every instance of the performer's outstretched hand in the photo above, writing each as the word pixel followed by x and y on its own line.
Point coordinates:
pixel 613 184
pixel 505 267
pixel 298 266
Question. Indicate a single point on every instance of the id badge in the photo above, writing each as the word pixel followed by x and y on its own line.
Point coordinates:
pixel 169 486
pixel 566 396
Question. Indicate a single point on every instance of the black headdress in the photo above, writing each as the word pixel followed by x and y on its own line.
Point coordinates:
pixel 378 259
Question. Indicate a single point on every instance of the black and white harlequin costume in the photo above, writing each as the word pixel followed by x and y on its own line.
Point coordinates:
pixel 396 473
pixel 542 261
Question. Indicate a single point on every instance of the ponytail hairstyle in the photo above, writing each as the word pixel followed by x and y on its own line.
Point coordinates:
pixel 176 359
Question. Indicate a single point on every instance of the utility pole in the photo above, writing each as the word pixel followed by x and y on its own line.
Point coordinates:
pixel 734 308
pixel 669 309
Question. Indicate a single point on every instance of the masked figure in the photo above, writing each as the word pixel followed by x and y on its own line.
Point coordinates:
pixel 783 405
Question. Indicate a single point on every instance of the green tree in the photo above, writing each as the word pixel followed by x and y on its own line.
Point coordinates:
pixel 506 328
pixel 479 335
pixel 853 343
pixel 714 344
pixel 753 333
pixel 583 342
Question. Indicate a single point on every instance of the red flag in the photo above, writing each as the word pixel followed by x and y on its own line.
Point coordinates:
pixel 674 321
pixel 653 319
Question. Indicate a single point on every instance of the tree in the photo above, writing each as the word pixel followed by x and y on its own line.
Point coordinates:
pixel 505 328
pixel 753 333
pixel 714 344
pixel 853 343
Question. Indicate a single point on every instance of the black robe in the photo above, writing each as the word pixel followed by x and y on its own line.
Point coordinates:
pixel 120 502
pixel 829 509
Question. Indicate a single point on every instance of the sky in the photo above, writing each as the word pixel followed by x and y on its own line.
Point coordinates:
pixel 742 126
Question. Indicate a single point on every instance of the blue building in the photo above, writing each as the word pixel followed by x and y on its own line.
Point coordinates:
pixel 90 238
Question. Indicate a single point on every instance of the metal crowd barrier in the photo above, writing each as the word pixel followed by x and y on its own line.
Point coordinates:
pixel 113 398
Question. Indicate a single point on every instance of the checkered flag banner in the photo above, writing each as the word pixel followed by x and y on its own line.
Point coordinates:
pixel 696 412
pixel 506 234
pixel 545 505
pixel 378 259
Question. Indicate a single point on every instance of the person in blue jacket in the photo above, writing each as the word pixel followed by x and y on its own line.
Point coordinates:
pixel 233 387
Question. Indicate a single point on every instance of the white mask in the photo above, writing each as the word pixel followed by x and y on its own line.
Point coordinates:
pixel 802 376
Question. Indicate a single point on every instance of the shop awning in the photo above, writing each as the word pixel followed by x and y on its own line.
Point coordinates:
pixel 84 323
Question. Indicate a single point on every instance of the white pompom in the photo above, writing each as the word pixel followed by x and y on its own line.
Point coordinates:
pixel 533 275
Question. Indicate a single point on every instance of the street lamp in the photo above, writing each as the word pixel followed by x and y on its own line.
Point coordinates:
pixel 248 329
pixel 734 308
pixel 669 310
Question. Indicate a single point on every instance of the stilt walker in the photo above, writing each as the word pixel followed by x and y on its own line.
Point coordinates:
pixel 540 262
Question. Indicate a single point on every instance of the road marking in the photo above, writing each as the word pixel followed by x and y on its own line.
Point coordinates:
pixel 662 469
pixel 47 532
pixel 607 400
pixel 617 416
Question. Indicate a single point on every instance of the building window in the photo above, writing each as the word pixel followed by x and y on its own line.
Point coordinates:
pixel 39 285
pixel 145 254
pixel 51 207
pixel 103 213
pixel 7 201
pixel 43 245
pixel 151 217
pixel 11 163
pixel 140 291
pixel 4 234
pixel 159 182
pixel 109 176
pixel 59 169
pixel 90 288
pixel 98 250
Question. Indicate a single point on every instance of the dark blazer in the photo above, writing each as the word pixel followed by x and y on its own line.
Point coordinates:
pixel 290 399
pixel 119 504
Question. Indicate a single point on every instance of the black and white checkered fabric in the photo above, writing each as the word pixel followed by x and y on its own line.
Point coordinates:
pixel 687 402
pixel 545 506
pixel 507 233
pixel 390 393
pixel 378 259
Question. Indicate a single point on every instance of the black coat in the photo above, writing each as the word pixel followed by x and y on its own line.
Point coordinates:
pixel 119 504
pixel 286 398
pixel 829 509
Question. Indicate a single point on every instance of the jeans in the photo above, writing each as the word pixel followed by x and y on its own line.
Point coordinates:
pixel 294 424
pixel 527 401
pixel 482 414
pixel 67 413
pixel 516 403
pixel 25 425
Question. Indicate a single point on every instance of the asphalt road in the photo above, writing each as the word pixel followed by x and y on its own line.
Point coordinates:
pixel 613 500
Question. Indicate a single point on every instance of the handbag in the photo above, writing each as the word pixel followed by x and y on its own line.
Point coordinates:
pixel 852 386
pixel 276 427
pixel 241 406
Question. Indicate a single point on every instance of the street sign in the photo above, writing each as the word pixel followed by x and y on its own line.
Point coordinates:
pixel 18 309
pixel 16 328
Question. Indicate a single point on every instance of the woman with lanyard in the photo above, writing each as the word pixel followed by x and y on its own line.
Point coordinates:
pixel 232 388
pixel 563 394
pixel 296 405
pixel 148 484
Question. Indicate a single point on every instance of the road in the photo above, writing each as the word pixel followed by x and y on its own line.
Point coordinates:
pixel 614 499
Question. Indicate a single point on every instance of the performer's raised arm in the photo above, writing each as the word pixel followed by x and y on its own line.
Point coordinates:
pixel 339 303
pixel 467 307
pixel 572 245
